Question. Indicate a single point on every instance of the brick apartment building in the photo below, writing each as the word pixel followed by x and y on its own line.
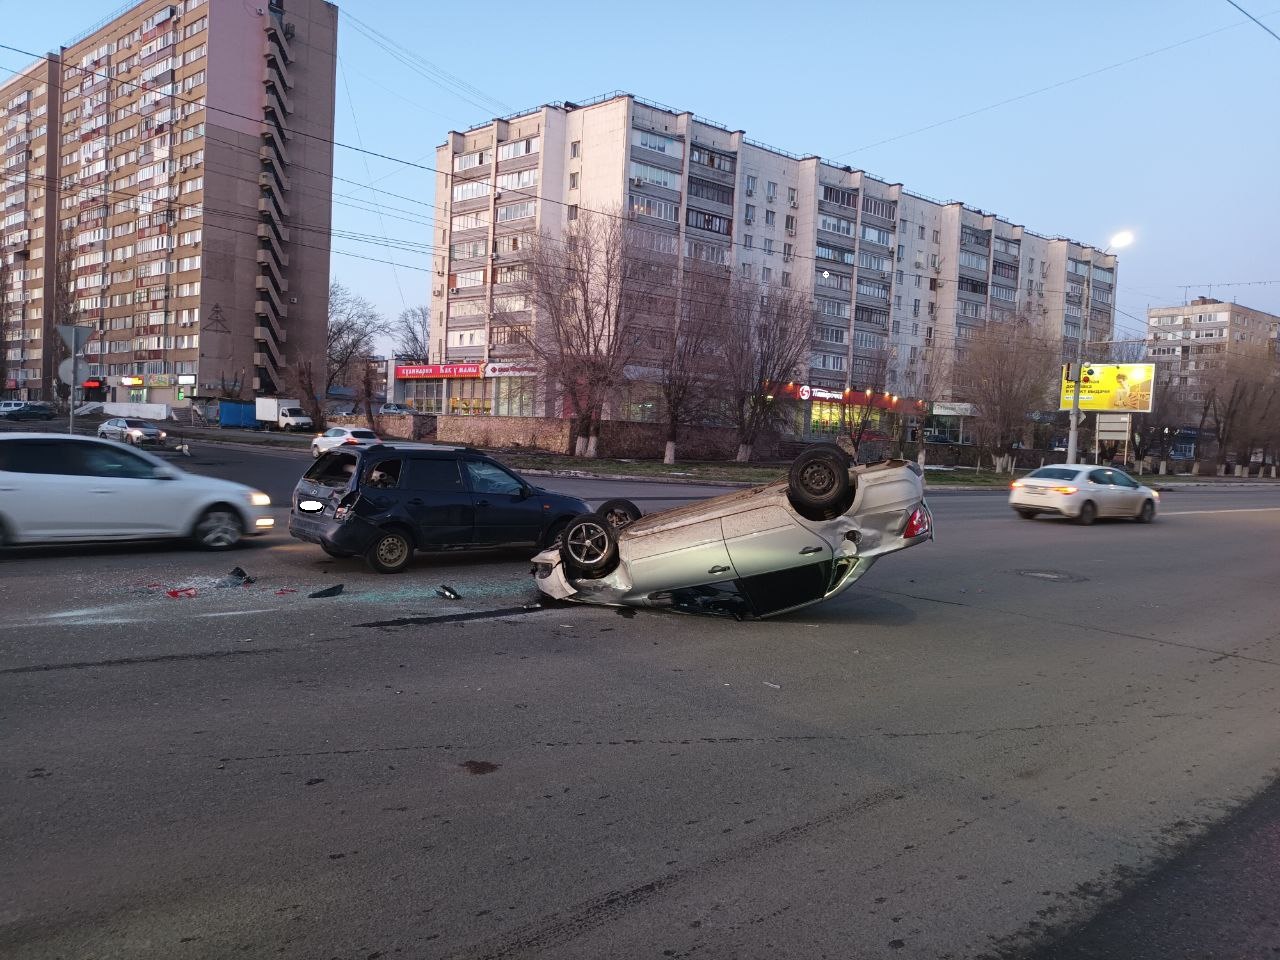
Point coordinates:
pixel 172 165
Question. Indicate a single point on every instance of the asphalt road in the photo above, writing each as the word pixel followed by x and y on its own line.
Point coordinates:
pixel 1021 727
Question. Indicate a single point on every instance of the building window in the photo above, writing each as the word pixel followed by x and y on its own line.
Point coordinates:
pixel 748 241
pixel 884 209
pixel 751 185
pixel 653 207
pixel 656 142
pixel 575 149
pixel 835 224
pixel 876 235
pixel 771 191
pixel 836 254
pixel 749 214
pixel 658 176
pixel 518 180
pixel 706 190
pixel 840 196
pixel 714 160
pixel 573 180
pixel 470 190
pixel 516 211
pixel 768 218
pixel 572 211
pixel 519 148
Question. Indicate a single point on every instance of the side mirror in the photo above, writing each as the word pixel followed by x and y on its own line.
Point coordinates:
pixel 526 491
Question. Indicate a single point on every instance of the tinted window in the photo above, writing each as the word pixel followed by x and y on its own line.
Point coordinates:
pixel 137 423
pixel 1101 476
pixel 1123 480
pixel 38 456
pixel 383 475
pixel 437 476
pixel 333 469
pixel 491 478
pixel 364 434
pixel 333 432
pixel 1054 473
pixel 99 460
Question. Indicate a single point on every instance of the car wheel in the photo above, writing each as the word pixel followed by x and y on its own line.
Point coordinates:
pixel 834 449
pixel 589 547
pixel 390 552
pixel 1027 514
pixel 619 513
pixel 219 528
pixel 340 554
pixel 1088 514
pixel 554 537
pixel 1148 511
pixel 819 481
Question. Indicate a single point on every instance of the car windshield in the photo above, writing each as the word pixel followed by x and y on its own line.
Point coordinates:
pixel 292 412
pixel 1054 473
pixel 332 470
pixel 364 434
pixel 140 424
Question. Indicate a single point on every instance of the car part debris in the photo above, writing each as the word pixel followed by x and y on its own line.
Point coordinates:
pixel 448 593
pixel 236 578
pixel 181 593
pixel 326 592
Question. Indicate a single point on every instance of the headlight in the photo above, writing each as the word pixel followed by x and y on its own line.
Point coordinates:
pixel 259 499
pixel 162 434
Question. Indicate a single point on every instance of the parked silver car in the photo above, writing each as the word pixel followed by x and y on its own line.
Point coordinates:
pixel 754 553
pixel 1083 492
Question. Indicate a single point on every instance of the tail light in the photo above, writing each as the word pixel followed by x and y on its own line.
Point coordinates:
pixel 1064 489
pixel 351 442
pixel 917 524
pixel 345 505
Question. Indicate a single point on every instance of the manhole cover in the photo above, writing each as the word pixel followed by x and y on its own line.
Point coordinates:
pixel 1059 576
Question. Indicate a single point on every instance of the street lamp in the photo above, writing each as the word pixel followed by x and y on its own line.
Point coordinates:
pixel 1118 242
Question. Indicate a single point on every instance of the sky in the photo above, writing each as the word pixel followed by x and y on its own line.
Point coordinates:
pixel 1079 120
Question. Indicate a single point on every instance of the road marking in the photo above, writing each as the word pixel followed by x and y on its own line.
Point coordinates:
pixel 1187 513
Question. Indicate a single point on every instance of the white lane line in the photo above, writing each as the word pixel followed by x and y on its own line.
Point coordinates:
pixel 1187 513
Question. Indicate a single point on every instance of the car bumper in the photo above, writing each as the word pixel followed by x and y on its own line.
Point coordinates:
pixel 352 535
pixel 1055 503
pixel 259 521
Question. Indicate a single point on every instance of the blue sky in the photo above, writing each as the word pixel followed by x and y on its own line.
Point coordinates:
pixel 1180 146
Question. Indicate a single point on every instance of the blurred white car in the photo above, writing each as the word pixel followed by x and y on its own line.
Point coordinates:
pixel 1083 492
pixel 343 437
pixel 56 488
pixel 129 430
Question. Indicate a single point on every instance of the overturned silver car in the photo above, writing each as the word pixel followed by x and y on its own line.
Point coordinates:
pixel 753 553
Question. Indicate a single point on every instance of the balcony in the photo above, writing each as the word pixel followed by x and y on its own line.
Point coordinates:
pixel 267 322
pixel 270 308
pixel 275 179
pixel 275 33
pixel 271 267
pixel 273 152
pixel 278 105
pixel 277 70
pixel 264 339
pixel 272 206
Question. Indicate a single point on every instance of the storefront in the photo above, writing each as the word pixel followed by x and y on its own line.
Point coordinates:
pixel 466 389
pixel 824 413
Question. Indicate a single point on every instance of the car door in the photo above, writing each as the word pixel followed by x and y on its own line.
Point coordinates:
pixel 505 510
pixel 779 563
pixel 438 502
pixel 1103 492
pixel 683 555
pixel 46 478
pixel 1128 494
pixel 126 487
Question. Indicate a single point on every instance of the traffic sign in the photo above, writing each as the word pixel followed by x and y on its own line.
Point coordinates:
pixel 74 336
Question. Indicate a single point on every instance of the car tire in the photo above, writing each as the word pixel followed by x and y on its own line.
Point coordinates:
pixel 1027 514
pixel 834 449
pixel 589 547
pixel 554 537
pixel 337 554
pixel 620 513
pixel 1088 513
pixel 391 551
pixel 218 528
pixel 1147 513
pixel 819 481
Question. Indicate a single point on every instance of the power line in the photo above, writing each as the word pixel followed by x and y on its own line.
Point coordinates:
pixel 1254 19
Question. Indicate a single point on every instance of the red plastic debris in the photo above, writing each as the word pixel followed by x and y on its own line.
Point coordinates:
pixel 281 593
pixel 181 593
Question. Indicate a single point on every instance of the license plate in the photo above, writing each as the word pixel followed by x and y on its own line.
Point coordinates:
pixel 1035 490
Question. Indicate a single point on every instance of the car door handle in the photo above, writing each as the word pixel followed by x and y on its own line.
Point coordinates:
pixel 719 569
pixel 808 550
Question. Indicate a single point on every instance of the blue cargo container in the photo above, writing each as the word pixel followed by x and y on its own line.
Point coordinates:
pixel 237 413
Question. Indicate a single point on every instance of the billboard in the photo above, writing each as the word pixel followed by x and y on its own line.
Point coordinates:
pixel 1111 387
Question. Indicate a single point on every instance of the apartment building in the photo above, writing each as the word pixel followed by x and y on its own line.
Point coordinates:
pixel 1188 343
pixel 897 279
pixel 167 183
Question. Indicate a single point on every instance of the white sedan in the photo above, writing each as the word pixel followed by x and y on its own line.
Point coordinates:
pixel 56 488
pixel 343 437
pixel 1083 492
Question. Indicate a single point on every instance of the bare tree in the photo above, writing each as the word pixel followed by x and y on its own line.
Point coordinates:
pixel 762 342
pixel 589 289
pixel 1006 370
pixel 412 333
pixel 865 408
pixel 301 379
pixel 354 326
pixel 684 363
pixel 1239 403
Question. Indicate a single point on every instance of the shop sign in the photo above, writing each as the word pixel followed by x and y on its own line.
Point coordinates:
pixel 435 371
pixel 159 380
pixel 510 370
pixel 954 410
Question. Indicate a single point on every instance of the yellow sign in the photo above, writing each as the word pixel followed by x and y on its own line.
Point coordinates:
pixel 1111 387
